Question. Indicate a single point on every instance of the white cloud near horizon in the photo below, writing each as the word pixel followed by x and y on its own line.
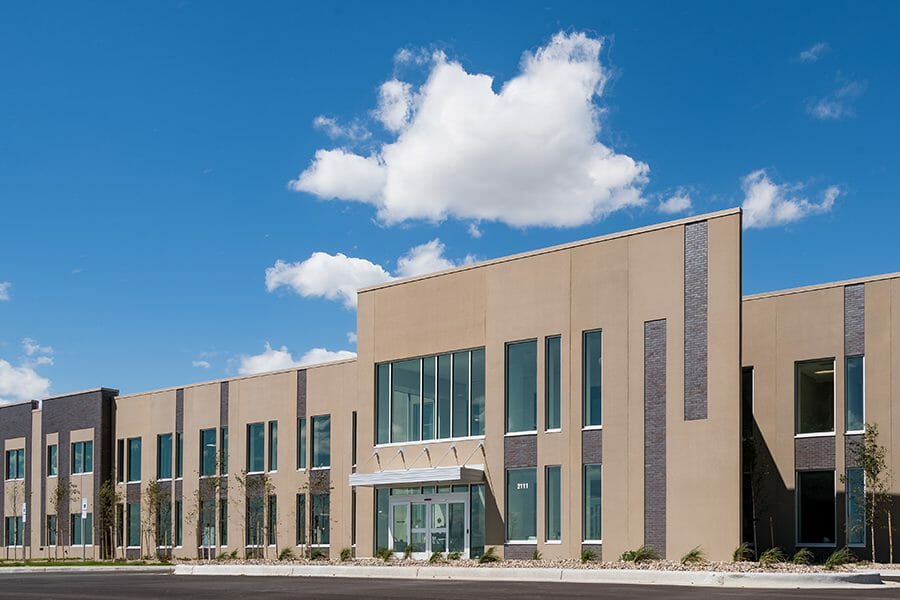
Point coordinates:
pixel 18 384
pixel 526 155
pixel 769 204
pixel 275 359
pixel 338 276
pixel 813 53
pixel 4 291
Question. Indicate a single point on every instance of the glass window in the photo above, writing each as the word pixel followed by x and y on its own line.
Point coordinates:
pixel 553 503
pixel 405 401
pixel 223 452
pixel 815 507
pixel 383 401
pixel 120 460
pixel 476 520
pixel 134 461
pixel 272 520
pixel 164 456
pixel 207 452
pixel 460 394
pixel 856 507
pixel 444 393
pixel 592 503
pixel 255 520
pixel 164 524
pixel 353 438
pixel 321 442
pixel 256 448
pixel 593 362
pixel 477 392
pixel 13 531
pixel 382 505
pixel 51 530
pixel 179 454
pixel 521 505
pixel 15 464
pixel 301 519
pixel 273 445
pixel 429 393
pixel 552 382
pixel 83 457
pixel 82 529
pixel 320 522
pixel 133 518
pixel 521 386
pixel 815 396
pixel 301 443
pixel 223 521
pixel 854 394
pixel 207 523
pixel 178 522
pixel 52 460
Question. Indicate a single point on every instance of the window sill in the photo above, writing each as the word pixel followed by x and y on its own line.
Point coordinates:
pixel 519 433
pixel 598 542
pixel 434 441
pixel 256 472
pixel 163 479
pixel 553 430
pixel 320 468
pixel 133 481
pixel 830 545
pixel 52 476
pixel 856 545
pixel 798 436
pixel 855 432
pixel 591 427
pixel 553 542
pixel 521 542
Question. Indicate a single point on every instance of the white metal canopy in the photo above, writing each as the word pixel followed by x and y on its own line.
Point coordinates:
pixel 422 476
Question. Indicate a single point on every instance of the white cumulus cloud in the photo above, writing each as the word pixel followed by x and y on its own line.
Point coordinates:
pixel 769 204
pixel 338 276
pixel 354 131
pixel 21 383
pixel 4 291
pixel 813 53
pixel 677 203
pixel 351 337
pixel 275 359
pixel 528 154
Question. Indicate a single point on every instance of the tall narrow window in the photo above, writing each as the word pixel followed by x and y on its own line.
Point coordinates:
pixel 13 528
pixel 521 386
pixel 476 520
pixel 82 529
pixel 223 521
pixel 477 392
pixel 321 519
pixel 120 461
pixel 592 503
pixel 301 443
pixel 321 441
pixel 134 460
pixel 207 523
pixel 272 524
pixel 815 507
pixel 405 401
pixel 256 448
pixel 52 460
pixel 815 396
pixel 552 383
pixel 521 505
pixel 164 456
pixel 460 394
pixel 855 394
pixel 133 525
pixel 553 504
pixel 382 506
pixel 856 507
pixel 353 438
pixel 429 393
pixel 207 452
pixel 255 521
pixel 223 450
pixel 301 519
pixel 51 530
pixel 83 457
pixel 444 395
pixel 164 524
pixel 178 523
pixel 273 445
pixel 179 455
pixel 15 464
pixel 353 517
pixel 593 360
pixel 383 404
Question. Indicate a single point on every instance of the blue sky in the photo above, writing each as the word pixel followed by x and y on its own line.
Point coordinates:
pixel 157 158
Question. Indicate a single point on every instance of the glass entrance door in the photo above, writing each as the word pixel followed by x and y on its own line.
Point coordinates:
pixel 429 523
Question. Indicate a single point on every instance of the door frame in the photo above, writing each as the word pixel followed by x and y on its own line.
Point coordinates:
pixel 429 500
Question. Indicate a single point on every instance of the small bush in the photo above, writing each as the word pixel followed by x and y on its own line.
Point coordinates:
pixel 454 555
pixel 536 555
pixel 346 554
pixel 407 552
pixel 233 555
pixel 489 556
pixel 316 554
pixel 588 555
pixel 694 556
pixel 742 553
pixel 286 554
pixel 839 557
pixel 436 557
pixel 802 557
pixel 772 556
pixel 384 554
pixel 642 554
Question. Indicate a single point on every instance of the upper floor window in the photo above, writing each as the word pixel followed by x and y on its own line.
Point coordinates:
pixel 814 396
pixel 552 382
pixel 164 456
pixel 301 443
pixel 223 452
pixel 207 452
pixel 52 460
pixel 273 445
pixel 855 394
pixel 321 441
pixel 179 455
pixel 83 457
pixel 15 464
pixel 521 386
pixel 591 349
pixel 134 459
pixel 256 448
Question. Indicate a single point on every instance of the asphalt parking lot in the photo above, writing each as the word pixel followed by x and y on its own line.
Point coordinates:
pixel 138 585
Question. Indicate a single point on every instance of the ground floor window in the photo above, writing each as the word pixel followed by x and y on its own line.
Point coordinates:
pixel 51 530
pixel 178 519
pixel 521 505
pixel 255 520
pixel 552 503
pixel 592 503
pixel 272 528
pixel 120 525
pixel 382 500
pixel 476 520
pixel 815 507
pixel 82 529
pixel 208 523
pixel 223 521
pixel 321 519
pixel 13 529
pixel 856 507
pixel 301 519
pixel 133 525
pixel 164 525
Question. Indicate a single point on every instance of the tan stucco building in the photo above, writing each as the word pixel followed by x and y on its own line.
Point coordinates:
pixel 585 397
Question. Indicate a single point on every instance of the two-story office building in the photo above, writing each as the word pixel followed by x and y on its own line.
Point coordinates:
pixel 585 396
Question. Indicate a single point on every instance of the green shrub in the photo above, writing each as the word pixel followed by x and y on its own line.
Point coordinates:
pixel 455 555
pixel 233 555
pixel 839 557
pixel 346 554
pixel 772 556
pixel 286 554
pixel 588 555
pixel 407 552
pixel 694 556
pixel 802 557
pixel 384 554
pixel 642 554
pixel 489 556
pixel 316 554
pixel 742 553
pixel 536 555
pixel 436 557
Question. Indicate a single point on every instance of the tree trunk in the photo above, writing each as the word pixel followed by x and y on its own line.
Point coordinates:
pixel 890 536
pixel 872 534
pixel 772 531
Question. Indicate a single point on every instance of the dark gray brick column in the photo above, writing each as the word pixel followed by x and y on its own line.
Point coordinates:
pixel 696 301
pixel 15 422
pixel 655 435
pixel 855 319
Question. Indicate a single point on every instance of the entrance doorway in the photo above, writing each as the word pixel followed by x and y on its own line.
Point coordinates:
pixel 429 523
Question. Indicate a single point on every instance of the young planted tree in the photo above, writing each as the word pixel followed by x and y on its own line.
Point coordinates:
pixel 208 493
pixel 154 532
pixel 60 501
pixel 16 494
pixel 255 490
pixel 872 459
pixel 317 484
pixel 108 498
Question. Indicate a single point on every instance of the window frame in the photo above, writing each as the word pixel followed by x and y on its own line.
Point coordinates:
pixel 847 359
pixel 251 447
pixel 20 469
pixel 53 460
pixel 797 515
pixel 547 425
pixel 547 503
pixel 272 446
pixel 584 503
pixel 506 495
pixel 204 444
pixel 834 397
pixel 585 396
pixel 313 439
pixel 865 524
pixel 128 459
pixel 506 348
pixel 160 463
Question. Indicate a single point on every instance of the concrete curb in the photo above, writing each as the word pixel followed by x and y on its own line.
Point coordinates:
pixel 633 576
pixel 130 569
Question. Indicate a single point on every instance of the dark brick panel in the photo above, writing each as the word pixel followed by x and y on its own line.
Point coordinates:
pixel 597 548
pixel 814 453
pixel 851 443
pixel 520 451
pixel 132 492
pixel 179 410
pixel 696 301
pixel 519 551
pixel 223 404
pixel 301 394
pixel 591 446
pixel 655 435
pixel 855 319
pixel 15 422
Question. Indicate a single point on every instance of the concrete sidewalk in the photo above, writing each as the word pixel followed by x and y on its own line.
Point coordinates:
pixel 619 576
pixel 96 569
